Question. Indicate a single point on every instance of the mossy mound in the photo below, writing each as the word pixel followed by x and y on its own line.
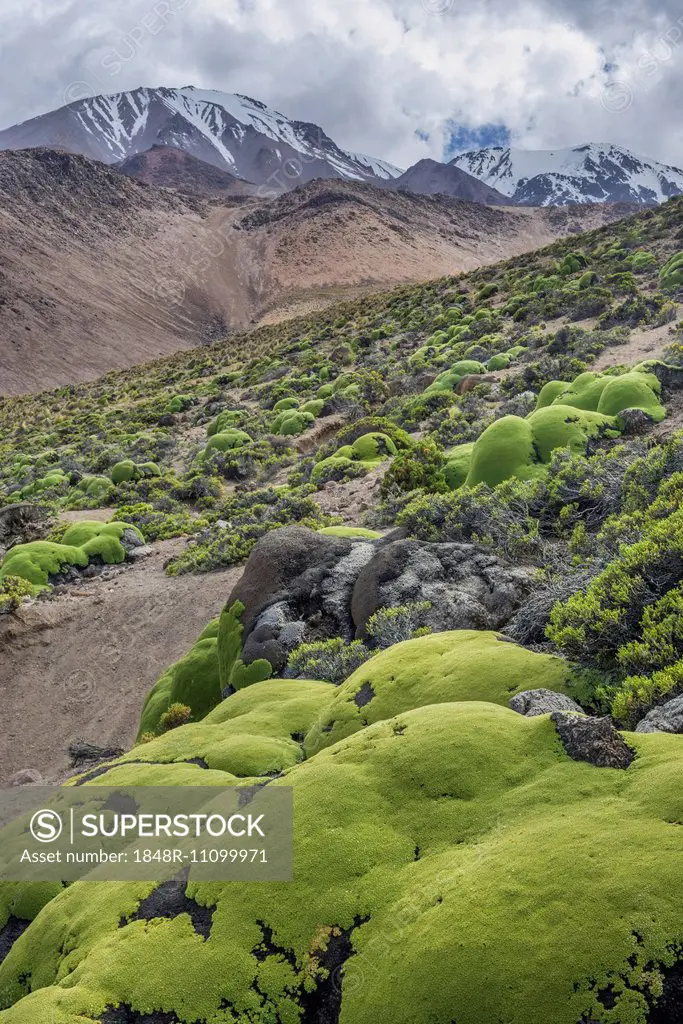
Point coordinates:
pixel 366 452
pixel 499 362
pixel 127 470
pixel 123 471
pixel 450 379
pixel 226 419
pixel 350 531
pixel 420 842
pixel 193 681
pixel 458 666
pixel 522 448
pixel 55 479
pixel 607 393
pixel 97 488
pixel 37 561
pixel 458 465
pixel 292 422
pixel 227 441
pixel 671 274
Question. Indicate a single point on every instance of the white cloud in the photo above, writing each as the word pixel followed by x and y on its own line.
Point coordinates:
pixel 371 72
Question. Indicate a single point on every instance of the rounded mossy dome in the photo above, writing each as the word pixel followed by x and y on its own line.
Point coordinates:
pixel 464 825
pixel 228 440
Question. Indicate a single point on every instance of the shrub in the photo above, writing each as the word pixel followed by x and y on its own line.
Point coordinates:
pixel 502 518
pixel 13 591
pixel 177 715
pixel 420 467
pixel 390 626
pixel 251 516
pixel 628 616
pixel 331 660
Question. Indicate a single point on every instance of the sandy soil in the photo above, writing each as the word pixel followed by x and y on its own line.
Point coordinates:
pixel 644 343
pixel 80 666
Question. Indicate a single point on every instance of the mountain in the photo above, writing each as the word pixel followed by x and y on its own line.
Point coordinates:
pixel 169 167
pixel 592 173
pixel 233 133
pixel 99 270
pixel 429 177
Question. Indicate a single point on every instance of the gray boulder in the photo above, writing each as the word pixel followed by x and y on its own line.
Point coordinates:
pixel 667 718
pixel 592 739
pixel 467 587
pixel 296 588
pixel 542 702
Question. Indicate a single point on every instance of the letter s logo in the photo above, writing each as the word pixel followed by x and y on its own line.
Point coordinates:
pixel 46 826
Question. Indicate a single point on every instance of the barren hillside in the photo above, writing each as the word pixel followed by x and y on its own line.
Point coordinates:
pixel 100 271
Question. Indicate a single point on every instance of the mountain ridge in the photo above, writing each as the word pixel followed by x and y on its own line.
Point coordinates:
pixel 231 131
pixel 591 172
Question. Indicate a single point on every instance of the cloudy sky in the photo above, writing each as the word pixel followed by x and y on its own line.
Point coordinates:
pixel 400 79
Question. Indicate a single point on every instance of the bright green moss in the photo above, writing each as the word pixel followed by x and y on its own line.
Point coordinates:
pixel 447 830
pixel 505 449
pixel 374 447
pixel 549 392
pixel 449 380
pixel 123 472
pixel 458 465
pixel 286 403
pixel 350 531
pixel 499 362
pixel 635 390
pixel 234 674
pixel 561 426
pixel 98 488
pixel 608 394
pixel 40 559
pixel 458 666
pixel 292 422
pixel 671 274
pixel 193 681
pixel 37 561
pixel 223 422
pixel 315 406
pixel 227 441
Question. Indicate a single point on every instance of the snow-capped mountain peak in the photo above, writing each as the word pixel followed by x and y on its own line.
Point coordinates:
pixel 590 173
pixel 231 131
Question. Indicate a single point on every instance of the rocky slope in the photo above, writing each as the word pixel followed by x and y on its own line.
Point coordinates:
pixel 168 167
pixel 430 177
pixel 101 271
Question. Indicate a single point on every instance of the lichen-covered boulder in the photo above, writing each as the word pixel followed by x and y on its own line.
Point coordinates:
pixel 467 587
pixel 297 586
pixel 542 702
pixel 666 718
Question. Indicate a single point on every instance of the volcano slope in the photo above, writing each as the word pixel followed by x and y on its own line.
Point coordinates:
pixel 455 635
pixel 100 271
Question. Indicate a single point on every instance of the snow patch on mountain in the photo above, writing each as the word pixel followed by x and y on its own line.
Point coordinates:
pixel 234 132
pixel 595 172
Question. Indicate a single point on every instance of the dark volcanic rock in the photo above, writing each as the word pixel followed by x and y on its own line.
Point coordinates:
pixel 592 739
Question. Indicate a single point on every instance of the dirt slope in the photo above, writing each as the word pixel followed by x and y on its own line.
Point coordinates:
pixel 100 271
pixel 85 662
